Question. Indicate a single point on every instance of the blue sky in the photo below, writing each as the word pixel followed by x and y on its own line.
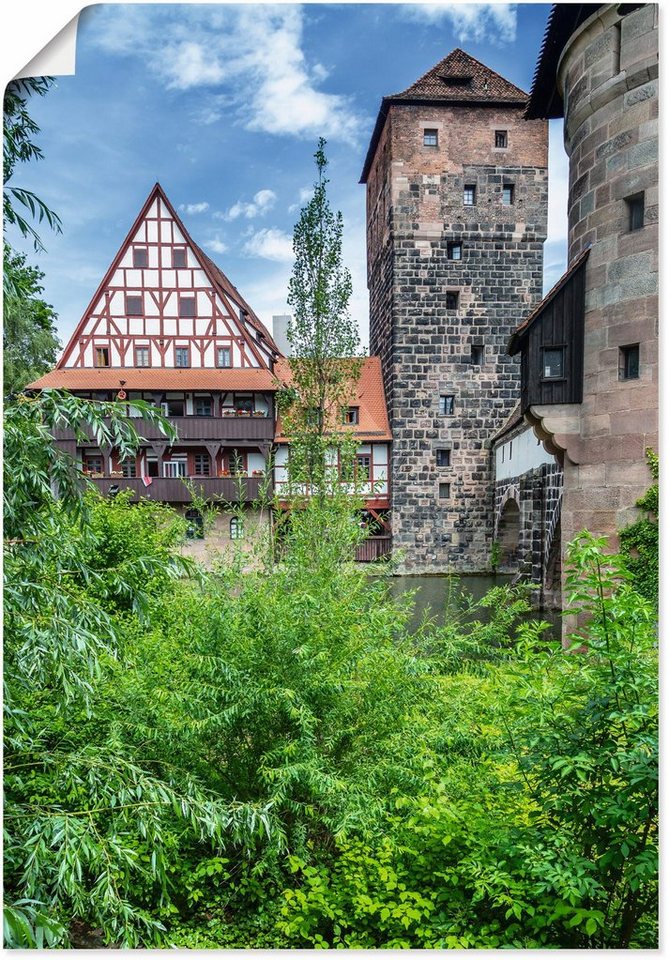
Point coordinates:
pixel 223 104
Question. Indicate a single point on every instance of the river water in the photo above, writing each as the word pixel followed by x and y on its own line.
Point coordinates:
pixel 441 596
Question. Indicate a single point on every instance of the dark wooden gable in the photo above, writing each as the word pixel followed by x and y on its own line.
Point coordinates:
pixel 557 324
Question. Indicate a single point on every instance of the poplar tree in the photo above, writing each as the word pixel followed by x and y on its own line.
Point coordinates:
pixel 324 340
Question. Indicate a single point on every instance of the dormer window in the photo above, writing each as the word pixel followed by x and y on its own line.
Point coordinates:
pixel 140 257
pixel 352 415
pixel 430 138
pixel 501 139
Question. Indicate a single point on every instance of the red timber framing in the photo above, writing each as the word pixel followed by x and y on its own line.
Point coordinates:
pixel 222 318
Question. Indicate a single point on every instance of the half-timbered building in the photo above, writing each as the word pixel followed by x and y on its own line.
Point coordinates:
pixel 166 326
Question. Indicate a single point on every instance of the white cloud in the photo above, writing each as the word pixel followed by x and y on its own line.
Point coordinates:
pixel 247 55
pixel 193 208
pixel 474 22
pixel 263 201
pixel 216 245
pixel 270 243
pixel 306 193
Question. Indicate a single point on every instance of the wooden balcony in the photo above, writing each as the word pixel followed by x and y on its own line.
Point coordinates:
pixel 247 429
pixel 172 490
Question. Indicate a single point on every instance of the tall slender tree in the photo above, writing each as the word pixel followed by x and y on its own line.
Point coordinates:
pixel 324 339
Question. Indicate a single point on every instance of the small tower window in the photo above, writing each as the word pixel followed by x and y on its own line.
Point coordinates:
pixel 140 257
pixel 628 364
pixel 186 306
pixel 553 363
pixel 501 139
pixel 134 306
pixel 102 356
pixel 223 357
pixel 443 458
pixel 446 404
pixel 452 299
pixel 477 354
pixel 469 195
pixel 635 211
pixel 454 250
pixel 430 138
pixel 178 257
pixel 444 491
pixel 508 192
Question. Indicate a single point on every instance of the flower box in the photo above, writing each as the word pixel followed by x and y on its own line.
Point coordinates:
pixel 258 473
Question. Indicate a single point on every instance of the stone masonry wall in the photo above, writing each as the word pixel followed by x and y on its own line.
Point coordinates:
pixel 608 75
pixel 430 345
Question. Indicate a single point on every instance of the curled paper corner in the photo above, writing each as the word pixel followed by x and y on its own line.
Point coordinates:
pixel 58 57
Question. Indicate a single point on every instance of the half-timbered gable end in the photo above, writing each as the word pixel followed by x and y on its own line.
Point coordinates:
pixel 165 303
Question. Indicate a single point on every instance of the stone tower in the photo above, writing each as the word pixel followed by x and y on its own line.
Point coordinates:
pixel 457 192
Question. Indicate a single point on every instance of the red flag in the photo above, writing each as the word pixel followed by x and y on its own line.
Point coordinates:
pixel 147 481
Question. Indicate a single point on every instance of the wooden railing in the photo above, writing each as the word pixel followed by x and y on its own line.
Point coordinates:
pixel 373 549
pixel 201 428
pixel 175 491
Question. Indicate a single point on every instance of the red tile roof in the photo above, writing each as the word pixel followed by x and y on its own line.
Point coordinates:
pixel 458 78
pixel 370 399
pixel 157 378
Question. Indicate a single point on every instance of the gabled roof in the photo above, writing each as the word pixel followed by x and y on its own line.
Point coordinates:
pixel 458 78
pixel 213 273
pixel 513 346
pixel 370 399
pixel 157 378
pixel 545 102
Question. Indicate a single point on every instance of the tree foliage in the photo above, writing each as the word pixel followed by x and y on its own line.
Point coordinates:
pixel 30 343
pixel 640 541
pixel 323 364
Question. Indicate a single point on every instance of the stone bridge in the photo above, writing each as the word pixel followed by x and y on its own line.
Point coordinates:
pixel 527 528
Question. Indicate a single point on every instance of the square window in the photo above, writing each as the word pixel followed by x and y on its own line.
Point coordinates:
pixel 201 465
pixel 501 139
pixel 477 354
pixel 452 298
pixel 203 406
pixel 469 195
pixel 174 408
pixel 553 363
pixel 444 491
pixel 352 415
pixel 140 257
pixel 181 357
pixel 243 404
pixel 628 366
pixel 102 356
pixel 430 138
pixel 178 257
pixel 186 306
pixel 129 468
pixel 454 250
pixel 446 404
pixel 92 463
pixel 141 356
pixel 507 194
pixel 443 458
pixel 635 211
pixel 134 306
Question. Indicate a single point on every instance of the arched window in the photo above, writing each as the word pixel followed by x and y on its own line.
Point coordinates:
pixel 236 528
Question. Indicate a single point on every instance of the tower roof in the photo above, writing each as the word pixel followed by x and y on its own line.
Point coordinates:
pixel 458 78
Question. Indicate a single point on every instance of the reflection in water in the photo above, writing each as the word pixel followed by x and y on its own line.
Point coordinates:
pixel 437 595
